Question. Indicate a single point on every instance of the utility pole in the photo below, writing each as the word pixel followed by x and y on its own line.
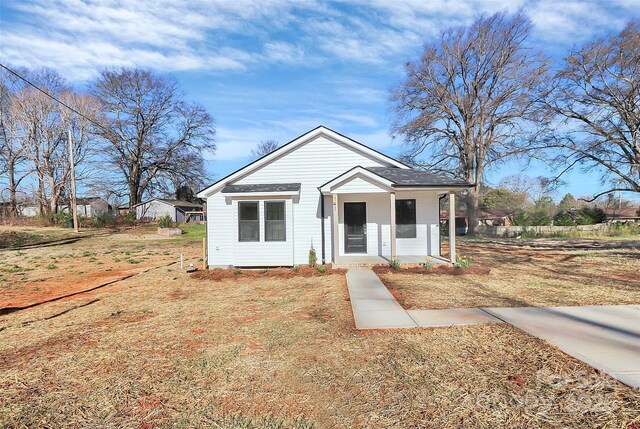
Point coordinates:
pixel 74 206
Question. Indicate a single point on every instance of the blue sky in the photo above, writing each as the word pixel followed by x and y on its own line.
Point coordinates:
pixel 274 69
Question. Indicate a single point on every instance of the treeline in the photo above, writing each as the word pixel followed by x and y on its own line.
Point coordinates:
pixel 132 134
pixel 527 202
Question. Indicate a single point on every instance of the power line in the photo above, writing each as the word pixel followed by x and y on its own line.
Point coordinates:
pixel 51 96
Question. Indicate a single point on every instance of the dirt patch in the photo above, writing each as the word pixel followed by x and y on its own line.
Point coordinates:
pixel 219 274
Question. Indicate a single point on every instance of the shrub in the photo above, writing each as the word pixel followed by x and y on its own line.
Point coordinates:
pixel 395 263
pixel 541 218
pixel 322 269
pixel 130 218
pixel 312 258
pixel 165 222
pixel 295 268
pixel 521 218
pixel 428 264
pixel 237 272
pixel 463 262
pixel 590 216
pixel 563 218
pixel 61 219
pixel 105 220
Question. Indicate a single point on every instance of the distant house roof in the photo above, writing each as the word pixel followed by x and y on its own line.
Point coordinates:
pixel 175 203
pixel 626 213
pixel 410 177
pixel 263 187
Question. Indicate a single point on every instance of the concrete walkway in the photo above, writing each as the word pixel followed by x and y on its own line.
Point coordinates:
pixel 606 337
pixel 374 307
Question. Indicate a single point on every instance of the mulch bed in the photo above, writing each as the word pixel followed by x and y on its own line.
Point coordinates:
pixel 218 274
pixel 443 269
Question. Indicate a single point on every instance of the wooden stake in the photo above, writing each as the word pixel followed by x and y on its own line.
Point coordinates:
pixel 73 202
pixel 204 253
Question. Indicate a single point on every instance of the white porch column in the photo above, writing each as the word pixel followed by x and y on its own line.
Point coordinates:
pixel 392 224
pixel 334 225
pixel 452 227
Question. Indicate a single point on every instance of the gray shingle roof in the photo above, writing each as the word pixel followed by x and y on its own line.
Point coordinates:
pixel 263 187
pixel 179 203
pixel 410 177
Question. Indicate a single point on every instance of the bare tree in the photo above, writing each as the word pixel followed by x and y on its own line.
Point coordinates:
pixel 45 124
pixel 12 141
pixel 265 147
pixel 598 100
pixel 149 127
pixel 472 100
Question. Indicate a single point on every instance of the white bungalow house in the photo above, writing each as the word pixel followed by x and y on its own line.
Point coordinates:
pixel 325 191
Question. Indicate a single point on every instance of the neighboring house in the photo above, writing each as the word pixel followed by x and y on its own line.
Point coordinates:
pixel 178 210
pixel 90 207
pixel 462 223
pixel 325 191
pixel 495 217
pixel 629 214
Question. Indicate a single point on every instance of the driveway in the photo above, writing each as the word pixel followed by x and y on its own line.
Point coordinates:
pixel 605 337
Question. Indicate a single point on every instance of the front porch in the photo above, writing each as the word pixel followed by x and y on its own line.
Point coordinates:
pixel 347 261
pixel 375 220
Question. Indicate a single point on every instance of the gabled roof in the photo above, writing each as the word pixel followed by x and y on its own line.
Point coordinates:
pixel 398 178
pixel 402 177
pixel 298 141
pixel 262 187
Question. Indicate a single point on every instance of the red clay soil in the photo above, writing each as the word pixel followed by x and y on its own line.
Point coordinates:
pixel 218 274
pixel 35 292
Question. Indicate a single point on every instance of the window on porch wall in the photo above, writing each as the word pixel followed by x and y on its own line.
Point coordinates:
pixel 248 222
pixel 274 221
pixel 406 219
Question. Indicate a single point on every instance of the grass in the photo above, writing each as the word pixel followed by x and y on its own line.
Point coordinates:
pixel 521 275
pixel 16 236
pixel 165 349
pixel 192 232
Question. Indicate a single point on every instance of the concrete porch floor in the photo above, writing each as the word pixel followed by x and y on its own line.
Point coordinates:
pixel 369 260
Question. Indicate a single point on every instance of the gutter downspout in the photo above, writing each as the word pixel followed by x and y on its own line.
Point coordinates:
pixel 322 225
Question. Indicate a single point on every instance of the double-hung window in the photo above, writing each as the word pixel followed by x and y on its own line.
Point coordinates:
pixel 405 218
pixel 248 221
pixel 274 221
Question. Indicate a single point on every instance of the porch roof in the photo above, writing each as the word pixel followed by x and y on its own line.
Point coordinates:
pixel 261 187
pixel 397 178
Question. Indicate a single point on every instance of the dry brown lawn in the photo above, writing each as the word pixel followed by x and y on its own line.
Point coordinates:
pixel 165 349
pixel 553 273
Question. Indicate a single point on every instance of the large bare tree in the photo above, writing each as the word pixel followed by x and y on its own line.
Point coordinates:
pixel 150 129
pixel 45 125
pixel 13 166
pixel 598 100
pixel 472 100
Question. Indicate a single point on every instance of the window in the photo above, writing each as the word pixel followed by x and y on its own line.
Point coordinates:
pixel 248 223
pixel 274 221
pixel 405 218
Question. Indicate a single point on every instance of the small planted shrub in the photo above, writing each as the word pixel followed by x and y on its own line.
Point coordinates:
pixel 166 222
pixel 395 263
pixel 263 271
pixel 463 262
pixel 312 258
pixel 428 265
pixel 295 269
pixel 322 269
pixel 237 272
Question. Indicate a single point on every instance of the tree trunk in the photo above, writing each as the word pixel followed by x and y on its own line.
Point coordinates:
pixel 13 202
pixel 472 201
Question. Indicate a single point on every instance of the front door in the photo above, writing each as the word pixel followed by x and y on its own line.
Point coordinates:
pixel 355 227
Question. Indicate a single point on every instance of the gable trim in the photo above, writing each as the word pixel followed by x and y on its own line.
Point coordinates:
pixel 284 149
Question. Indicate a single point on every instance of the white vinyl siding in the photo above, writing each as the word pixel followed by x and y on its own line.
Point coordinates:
pixel 155 209
pixel 427 241
pixel 358 185
pixel 312 164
